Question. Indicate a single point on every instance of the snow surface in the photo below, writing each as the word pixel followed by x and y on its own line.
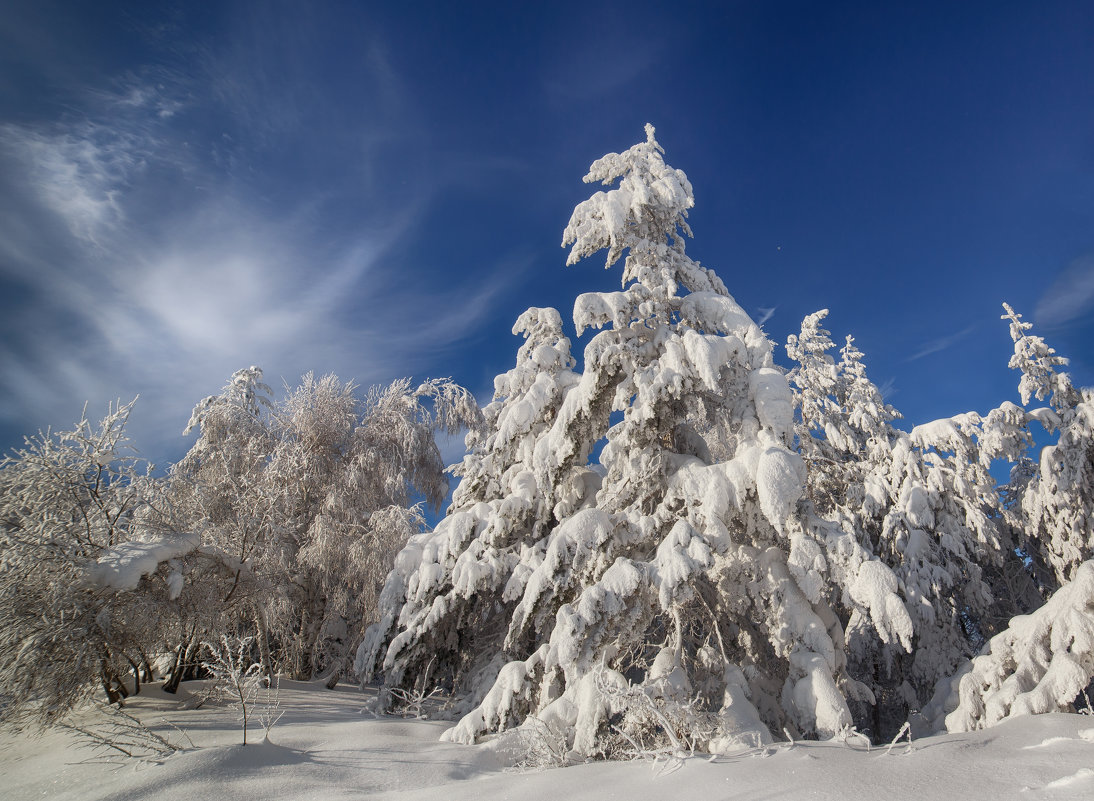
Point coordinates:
pixel 327 747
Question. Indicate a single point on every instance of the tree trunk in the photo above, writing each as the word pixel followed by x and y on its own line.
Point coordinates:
pixel 174 676
pixel 147 674
pixel 335 674
pixel 179 664
pixel 113 686
pixel 136 675
pixel 264 656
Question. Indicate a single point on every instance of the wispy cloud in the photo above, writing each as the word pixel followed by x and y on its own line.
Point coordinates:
pixel 587 73
pixel 1070 296
pixel 942 343
pixel 137 264
pixel 766 313
pixel 76 174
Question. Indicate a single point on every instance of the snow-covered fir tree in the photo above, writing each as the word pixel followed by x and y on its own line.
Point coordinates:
pixel 686 592
pixel 1057 501
pixel 844 432
pixel 925 503
pixel 452 591
pixel 1042 661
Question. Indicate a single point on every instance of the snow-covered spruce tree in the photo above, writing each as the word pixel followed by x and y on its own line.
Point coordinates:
pixel 1057 502
pixel 1042 661
pixel 690 594
pixel 83 575
pixel 446 605
pixel 946 538
pixel 925 503
pixel 845 435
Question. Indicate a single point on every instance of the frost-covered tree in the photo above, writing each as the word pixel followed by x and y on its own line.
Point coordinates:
pixel 309 498
pixel 84 573
pixel 697 583
pixel 218 488
pixel 344 477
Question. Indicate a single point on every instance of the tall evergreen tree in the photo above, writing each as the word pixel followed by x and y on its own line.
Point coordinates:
pixel 688 587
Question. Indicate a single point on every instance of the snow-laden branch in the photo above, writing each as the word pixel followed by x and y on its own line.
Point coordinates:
pixel 122 566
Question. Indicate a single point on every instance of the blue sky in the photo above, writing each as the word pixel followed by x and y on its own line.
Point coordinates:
pixel 379 189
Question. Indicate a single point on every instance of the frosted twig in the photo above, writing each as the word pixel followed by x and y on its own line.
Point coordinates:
pixel 789 739
pixel 905 730
pixel 851 732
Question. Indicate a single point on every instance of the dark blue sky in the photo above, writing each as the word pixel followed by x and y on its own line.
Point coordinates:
pixel 379 189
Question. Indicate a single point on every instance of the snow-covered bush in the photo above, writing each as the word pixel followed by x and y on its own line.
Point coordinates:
pixel 84 573
pixel 570 589
pixel 111 731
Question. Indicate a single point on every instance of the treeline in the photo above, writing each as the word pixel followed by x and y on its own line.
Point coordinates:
pixel 756 553
pixel 681 545
pixel 278 525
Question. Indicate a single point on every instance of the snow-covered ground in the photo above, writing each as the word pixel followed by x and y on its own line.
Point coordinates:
pixel 326 747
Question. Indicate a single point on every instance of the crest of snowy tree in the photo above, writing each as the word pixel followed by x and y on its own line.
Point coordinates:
pixel 1057 503
pixel 843 424
pixel 685 576
pixel 448 584
pixel 82 575
pixel 343 478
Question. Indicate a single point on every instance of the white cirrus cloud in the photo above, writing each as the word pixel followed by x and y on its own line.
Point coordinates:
pixel 941 343
pixel 1069 297
pixel 133 263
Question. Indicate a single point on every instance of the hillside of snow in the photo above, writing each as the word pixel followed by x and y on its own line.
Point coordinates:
pixel 326 746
